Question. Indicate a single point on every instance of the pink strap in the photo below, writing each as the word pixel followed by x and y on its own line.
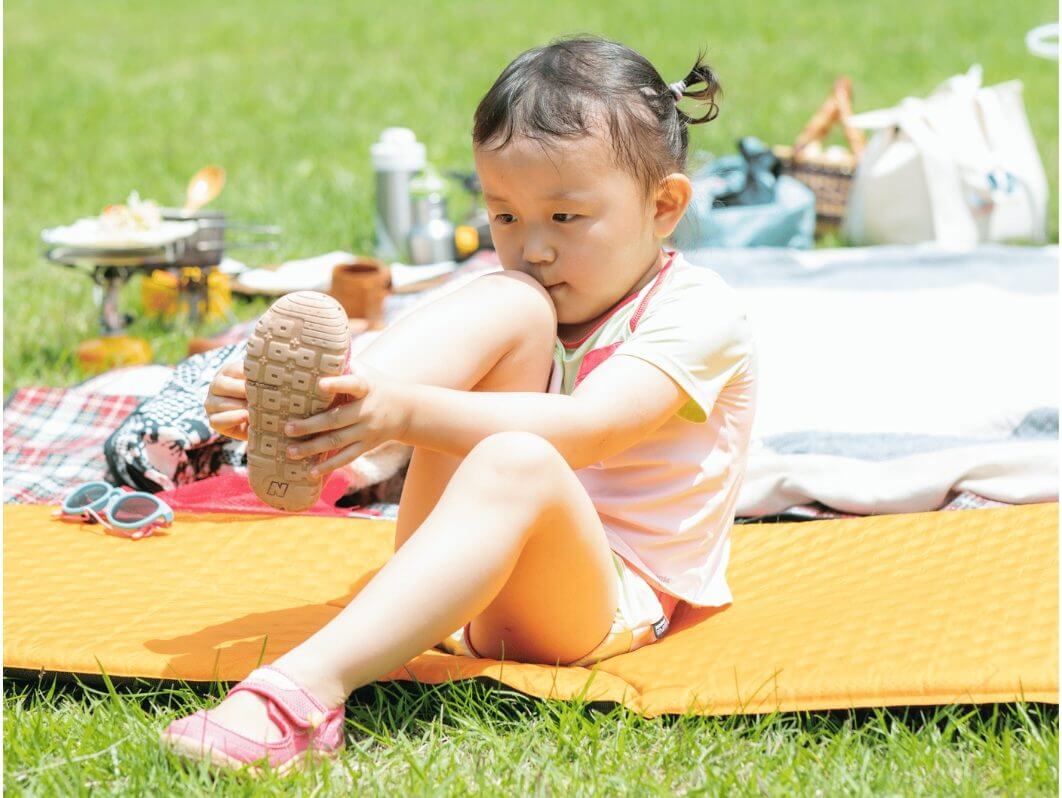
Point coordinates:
pixel 296 706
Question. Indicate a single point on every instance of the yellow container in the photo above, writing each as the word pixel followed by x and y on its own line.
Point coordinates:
pixel 101 354
pixel 163 294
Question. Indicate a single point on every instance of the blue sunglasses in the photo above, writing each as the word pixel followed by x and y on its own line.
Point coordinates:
pixel 124 512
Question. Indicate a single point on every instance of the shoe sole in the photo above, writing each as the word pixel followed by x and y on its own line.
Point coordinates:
pixel 193 751
pixel 303 337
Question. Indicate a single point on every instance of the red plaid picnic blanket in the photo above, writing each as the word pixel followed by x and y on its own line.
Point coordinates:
pixel 53 440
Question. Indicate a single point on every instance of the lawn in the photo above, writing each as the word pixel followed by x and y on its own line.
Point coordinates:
pixel 105 97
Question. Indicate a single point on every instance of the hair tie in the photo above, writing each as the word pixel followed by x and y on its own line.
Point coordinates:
pixel 677 88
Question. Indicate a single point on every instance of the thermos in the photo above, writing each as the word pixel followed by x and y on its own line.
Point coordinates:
pixel 396 158
pixel 431 239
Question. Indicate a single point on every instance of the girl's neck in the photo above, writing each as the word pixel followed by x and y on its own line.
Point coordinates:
pixel 573 332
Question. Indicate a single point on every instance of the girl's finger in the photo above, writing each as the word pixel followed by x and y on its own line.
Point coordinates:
pixel 340 459
pixel 326 442
pixel 352 384
pixel 229 386
pixel 234 368
pixel 338 417
pixel 230 418
pixel 217 405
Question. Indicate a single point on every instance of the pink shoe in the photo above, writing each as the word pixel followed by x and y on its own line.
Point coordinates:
pixel 303 337
pixel 309 728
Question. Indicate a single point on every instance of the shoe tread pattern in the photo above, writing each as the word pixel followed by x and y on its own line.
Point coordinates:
pixel 303 337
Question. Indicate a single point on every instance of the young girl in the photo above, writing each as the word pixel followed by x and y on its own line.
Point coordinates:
pixel 580 420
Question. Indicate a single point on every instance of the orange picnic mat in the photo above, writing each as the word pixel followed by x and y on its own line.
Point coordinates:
pixel 926 608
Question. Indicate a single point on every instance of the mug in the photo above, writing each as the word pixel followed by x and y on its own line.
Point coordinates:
pixel 361 287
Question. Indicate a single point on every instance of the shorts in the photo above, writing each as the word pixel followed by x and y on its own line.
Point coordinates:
pixel 642 617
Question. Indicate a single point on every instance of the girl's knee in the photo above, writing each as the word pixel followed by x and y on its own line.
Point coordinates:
pixel 521 459
pixel 524 301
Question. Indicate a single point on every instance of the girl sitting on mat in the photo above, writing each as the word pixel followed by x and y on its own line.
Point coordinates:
pixel 580 420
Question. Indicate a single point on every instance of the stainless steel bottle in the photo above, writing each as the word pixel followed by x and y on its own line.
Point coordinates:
pixel 431 239
pixel 396 159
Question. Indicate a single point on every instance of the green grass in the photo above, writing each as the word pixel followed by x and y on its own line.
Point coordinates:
pixel 105 97
pixel 455 739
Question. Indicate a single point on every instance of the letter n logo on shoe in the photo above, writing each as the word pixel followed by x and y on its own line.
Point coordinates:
pixel 278 489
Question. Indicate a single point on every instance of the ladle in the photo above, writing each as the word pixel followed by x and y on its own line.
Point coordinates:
pixel 204 187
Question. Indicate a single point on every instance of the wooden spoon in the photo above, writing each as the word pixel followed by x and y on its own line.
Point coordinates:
pixel 204 187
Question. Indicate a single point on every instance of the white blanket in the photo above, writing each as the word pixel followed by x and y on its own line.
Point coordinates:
pixel 892 376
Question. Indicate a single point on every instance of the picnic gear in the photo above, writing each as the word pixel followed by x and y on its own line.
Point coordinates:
pixel 913 609
pixel 111 257
pixel 97 355
pixel 203 188
pixel 396 159
pixel 89 235
pixel 431 236
pixel 361 286
pixel 168 440
pixel 130 514
pixel 309 729
pixel 232 493
pixel 826 171
pixel 300 339
pixel 963 395
pixel 191 292
pixel 135 382
pixel 53 440
pixel 642 616
pixel 304 274
pixel 957 168
pixel 743 201
pixel 476 219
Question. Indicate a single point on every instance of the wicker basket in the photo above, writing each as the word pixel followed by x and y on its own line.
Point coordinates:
pixel 828 173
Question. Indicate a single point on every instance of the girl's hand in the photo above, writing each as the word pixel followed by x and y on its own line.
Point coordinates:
pixel 378 413
pixel 226 402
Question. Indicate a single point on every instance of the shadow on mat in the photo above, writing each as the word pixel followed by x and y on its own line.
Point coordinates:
pixel 251 638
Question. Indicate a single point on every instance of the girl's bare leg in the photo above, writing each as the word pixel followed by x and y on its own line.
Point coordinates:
pixel 506 537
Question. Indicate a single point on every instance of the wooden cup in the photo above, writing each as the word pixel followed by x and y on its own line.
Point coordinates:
pixel 361 287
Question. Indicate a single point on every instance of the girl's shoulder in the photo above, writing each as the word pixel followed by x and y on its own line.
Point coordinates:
pixel 695 289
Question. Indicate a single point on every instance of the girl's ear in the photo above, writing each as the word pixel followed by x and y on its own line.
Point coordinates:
pixel 673 195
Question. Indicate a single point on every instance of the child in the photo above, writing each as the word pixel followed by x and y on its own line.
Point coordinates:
pixel 580 420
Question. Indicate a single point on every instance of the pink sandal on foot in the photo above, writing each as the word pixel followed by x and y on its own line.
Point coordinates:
pixel 309 728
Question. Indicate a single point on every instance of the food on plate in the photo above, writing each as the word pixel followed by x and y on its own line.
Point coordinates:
pixel 135 214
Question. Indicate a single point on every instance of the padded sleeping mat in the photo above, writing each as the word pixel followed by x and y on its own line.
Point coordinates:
pixel 922 608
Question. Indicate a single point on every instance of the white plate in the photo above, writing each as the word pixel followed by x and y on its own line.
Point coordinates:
pixel 88 234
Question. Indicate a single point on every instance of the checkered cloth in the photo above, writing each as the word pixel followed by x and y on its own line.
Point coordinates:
pixel 53 440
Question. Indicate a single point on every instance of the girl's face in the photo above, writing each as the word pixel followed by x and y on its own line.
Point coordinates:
pixel 566 215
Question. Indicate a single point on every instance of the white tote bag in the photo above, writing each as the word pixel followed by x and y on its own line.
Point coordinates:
pixel 959 168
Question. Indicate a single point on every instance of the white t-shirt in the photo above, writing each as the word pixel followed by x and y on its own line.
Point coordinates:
pixel 667 503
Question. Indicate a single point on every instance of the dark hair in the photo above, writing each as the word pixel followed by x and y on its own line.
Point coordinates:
pixel 562 89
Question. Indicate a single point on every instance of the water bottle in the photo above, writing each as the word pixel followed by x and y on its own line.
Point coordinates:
pixel 431 238
pixel 396 158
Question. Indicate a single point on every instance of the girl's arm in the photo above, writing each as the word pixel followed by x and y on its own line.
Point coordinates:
pixel 620 403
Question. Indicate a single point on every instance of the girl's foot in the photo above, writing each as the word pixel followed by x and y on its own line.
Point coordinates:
pixel 267 720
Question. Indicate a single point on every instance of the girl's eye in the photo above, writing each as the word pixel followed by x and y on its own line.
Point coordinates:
pixel 505 218
pixel 565 217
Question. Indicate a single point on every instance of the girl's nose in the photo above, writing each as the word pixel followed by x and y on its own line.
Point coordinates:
pixel 537 251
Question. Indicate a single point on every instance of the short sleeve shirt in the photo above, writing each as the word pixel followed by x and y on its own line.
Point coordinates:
pixel 667 503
